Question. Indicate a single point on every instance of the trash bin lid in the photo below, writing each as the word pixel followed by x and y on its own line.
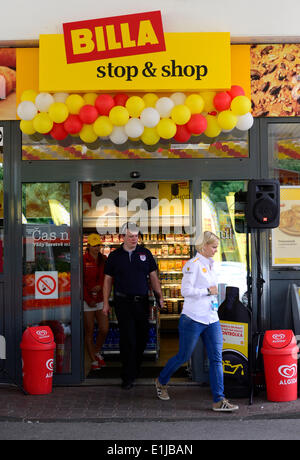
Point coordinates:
pixel 41 334
pixel 278 339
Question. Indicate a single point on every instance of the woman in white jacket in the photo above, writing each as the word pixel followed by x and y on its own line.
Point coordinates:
pixel 199 317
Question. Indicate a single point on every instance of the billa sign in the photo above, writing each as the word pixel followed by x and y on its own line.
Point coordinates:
pixel 131 53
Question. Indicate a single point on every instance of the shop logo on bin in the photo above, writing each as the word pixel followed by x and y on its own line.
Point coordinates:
pixel 288 371
pixel 42 333
pixel 278 337
pixel 49 364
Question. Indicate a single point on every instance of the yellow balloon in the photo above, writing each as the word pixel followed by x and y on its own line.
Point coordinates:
pixel 103 126
pixel 180 114
pixel 118 115
pixel 150 99
pixel 26 126
pixel 29 95
pixel 135 105
pixel 87 134
pixel 58 112
pixel 42 123
pixel 213 129
pixel 74 102
pixel 150 136
pixel 166 128
pixel 208 97
pixel 226 119
pixel 89 98
pixel 195 103
pixel 240 105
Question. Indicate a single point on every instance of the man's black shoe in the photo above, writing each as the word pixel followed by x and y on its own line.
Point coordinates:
pixel 126 385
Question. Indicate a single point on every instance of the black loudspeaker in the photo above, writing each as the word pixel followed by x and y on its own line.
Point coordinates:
pixel 263 203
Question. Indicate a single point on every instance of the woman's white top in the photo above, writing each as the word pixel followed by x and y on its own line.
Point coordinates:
pixel 198 275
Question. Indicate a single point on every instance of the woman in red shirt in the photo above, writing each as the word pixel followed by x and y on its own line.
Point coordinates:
pixel 93 276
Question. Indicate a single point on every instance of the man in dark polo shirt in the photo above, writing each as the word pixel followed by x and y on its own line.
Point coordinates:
pixel 129 268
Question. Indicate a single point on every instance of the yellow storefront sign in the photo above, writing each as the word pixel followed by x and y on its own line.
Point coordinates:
pixel 191 62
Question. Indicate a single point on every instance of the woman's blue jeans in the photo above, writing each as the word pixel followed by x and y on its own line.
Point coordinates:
pixel 189 333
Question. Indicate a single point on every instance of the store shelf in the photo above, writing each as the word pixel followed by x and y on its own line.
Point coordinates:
pixel 169 316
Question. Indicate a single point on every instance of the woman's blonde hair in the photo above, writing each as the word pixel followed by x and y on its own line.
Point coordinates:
pixel 206 238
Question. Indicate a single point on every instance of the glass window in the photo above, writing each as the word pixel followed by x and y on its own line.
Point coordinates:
pixel 218 216
pixel 46 264
pixel 227 145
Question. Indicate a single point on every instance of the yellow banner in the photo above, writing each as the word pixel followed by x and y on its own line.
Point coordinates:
pixel 191 62
pixel 235 337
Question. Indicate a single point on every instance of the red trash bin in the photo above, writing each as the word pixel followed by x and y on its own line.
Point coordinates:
pixel 37 359
pixel 280 362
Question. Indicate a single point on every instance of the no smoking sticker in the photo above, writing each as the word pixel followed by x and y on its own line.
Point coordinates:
pixel 46 285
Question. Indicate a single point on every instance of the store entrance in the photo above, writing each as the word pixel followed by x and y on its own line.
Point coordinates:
pixel 163 212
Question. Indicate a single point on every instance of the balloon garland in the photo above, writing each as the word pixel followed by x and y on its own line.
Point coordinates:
pixel 149 118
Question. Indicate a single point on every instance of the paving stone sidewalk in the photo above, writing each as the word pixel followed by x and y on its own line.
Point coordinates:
pixel 102 403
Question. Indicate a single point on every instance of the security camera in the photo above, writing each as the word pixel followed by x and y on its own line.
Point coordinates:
pixel 135 174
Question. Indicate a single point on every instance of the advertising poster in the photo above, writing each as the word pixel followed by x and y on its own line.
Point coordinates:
pixel 286 238
pixel 7 83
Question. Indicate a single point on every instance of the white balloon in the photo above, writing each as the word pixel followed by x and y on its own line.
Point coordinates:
pixel 118 135
pixel 60 97
pixel 26 110
pixel 164 105
pixel 178 98
pixel 43 101
pixel 244 122
pixel 150 117
pixel 134 128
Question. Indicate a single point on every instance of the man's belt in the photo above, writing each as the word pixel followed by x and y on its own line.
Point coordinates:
pixel 132 298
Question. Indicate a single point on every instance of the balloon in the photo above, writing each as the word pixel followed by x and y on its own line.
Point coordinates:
pixel 180 114
pixel 104 103
pixel 88 114
pixel 103 126
pixel 236 91
pixel 43 101
pixel 164 105
pixel 120 99
pixel 26 110
pixel 87 134
pixel 58 131
pixel 182 134
pixel 73 124
pixel 244 122
pixel 90 98
pixel 222 101
pixel 150 117
pixel 240 105
pixel 134 128
pixel 119 115
pixel 150 99
pixel 197 124
pixel 195 103
pixel 213 129
pixel 208 97
pixel 178 98
pixel 118 135
pixel 42 123
pixel 74 102
pixel 26 126
pixel 60 97
pixel 135 105
pixel 227 120
pixel 58 112
pixel 166 128
pixel 29 95
pixel 150 136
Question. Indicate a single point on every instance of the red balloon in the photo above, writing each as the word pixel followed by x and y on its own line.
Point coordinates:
pixel 104 103
pixel 120 99
pixel 182 134
pixel 197 124
pixel 222 101
pixel 58 131
pixel 73 124
pixel 88 114
pixel 236 91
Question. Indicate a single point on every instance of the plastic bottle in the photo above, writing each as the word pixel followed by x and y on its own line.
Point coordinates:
pixel 214 303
